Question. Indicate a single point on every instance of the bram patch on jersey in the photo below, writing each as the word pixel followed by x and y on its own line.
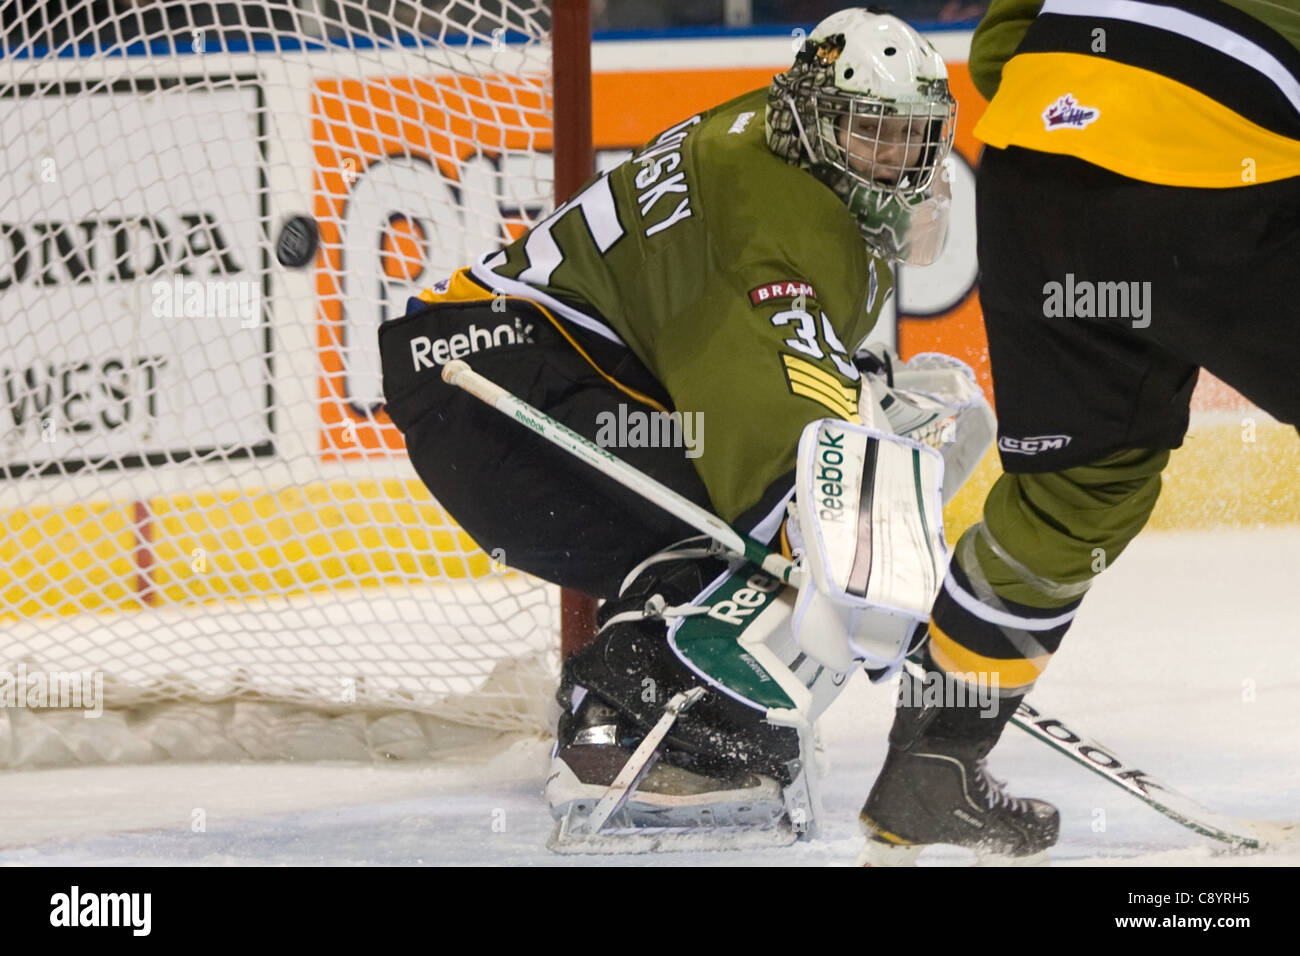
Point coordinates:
pixel 1066 113
pixel 786 289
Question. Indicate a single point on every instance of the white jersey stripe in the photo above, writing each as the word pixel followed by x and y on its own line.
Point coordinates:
pixel 1001 618
pixel 1191 26
pixel 482 271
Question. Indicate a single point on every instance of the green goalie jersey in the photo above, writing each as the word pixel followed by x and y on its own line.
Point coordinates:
pixel 741 282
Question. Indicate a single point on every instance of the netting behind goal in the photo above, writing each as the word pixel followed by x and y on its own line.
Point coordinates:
pixel 207 210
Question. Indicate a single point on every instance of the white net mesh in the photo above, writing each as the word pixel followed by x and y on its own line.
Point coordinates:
pixel 201 498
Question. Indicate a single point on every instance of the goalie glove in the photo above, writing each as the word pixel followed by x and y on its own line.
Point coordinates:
pixel 934 399
pixel 870 529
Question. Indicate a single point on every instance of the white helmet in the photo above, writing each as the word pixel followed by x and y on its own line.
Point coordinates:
pixel 866 107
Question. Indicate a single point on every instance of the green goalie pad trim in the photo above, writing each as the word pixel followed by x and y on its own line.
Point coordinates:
pixel 919 484
pixel 712 642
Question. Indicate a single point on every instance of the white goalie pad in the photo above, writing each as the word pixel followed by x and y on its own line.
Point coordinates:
pixel 935 399
pixel 870 516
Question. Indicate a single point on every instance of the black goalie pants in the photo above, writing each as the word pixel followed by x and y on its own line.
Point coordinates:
pixel 532 504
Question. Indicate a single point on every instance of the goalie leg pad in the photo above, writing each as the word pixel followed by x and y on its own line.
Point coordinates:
pixel 870 528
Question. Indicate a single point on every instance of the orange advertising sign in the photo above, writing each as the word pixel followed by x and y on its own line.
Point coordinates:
pixel 408 175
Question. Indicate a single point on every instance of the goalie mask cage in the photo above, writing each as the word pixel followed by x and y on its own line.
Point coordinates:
pixel 210 531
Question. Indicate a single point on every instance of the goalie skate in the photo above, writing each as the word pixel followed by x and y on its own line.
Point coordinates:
pixel 609 798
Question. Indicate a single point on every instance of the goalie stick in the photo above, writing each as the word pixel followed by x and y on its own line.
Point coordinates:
pixel 459 374
pixel 1239 833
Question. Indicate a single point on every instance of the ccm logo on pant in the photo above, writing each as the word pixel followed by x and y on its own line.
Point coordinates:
pixel 1032 446
pixel 430 353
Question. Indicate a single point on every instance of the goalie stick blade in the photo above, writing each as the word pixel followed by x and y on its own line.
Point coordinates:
pixel 1239 833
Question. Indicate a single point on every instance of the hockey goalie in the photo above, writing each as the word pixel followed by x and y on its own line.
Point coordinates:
pixel 698 312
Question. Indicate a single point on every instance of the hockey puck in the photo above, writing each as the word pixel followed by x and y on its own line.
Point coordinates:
pixel 298 240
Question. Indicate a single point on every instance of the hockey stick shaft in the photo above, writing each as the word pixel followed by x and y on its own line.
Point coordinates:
pixel 459 374
pixel 1238 832
pixel 1242 833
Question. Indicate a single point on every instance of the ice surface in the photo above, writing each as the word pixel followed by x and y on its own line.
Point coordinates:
pixel 1185 659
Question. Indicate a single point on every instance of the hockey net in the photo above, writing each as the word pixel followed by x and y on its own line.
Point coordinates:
pixel 210 531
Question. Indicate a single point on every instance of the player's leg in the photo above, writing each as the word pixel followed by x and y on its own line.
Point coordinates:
pixel 1234 289
pixel 1014 584
pixel 1078 403
pixel 520 497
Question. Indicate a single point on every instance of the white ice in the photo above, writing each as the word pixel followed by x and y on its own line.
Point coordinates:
pixel 1185 659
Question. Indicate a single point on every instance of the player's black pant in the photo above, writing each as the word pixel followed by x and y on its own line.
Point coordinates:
pixel 1201 278
pixel 1102 297
pixel 553 515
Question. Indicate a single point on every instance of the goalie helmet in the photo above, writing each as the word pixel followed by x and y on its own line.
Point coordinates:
pixel 866 108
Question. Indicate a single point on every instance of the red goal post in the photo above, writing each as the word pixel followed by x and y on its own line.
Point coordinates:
pixel 574 163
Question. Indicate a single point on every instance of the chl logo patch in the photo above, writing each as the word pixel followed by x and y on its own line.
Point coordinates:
pixel 1066 113
pixel 785 289
pixel 1032 446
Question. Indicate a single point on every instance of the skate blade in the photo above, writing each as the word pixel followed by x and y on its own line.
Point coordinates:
pixel 659 811
pixel 879 852
pixel 1001 859
pixel 570 837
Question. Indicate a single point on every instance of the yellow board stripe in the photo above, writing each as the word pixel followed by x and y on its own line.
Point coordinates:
pixel 187 549
pixel 955 659
pixel 348 533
